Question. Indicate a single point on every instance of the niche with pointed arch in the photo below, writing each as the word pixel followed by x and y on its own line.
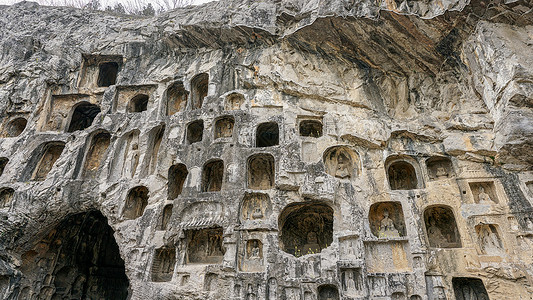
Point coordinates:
pixel 305 228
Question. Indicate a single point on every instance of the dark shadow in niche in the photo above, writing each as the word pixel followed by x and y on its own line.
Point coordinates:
pixel 199 86
pixel 386 220
pixel 441 227
pixel 469 288
pixel 107 74
pixel 15 127
pixel 3 164
pixel 328 292
pixel 204 246
pixel 87 265
pixel 261 171
pixel 176 98
pixel 6 194
pixel 306 228
pixel 267 135
pixel 136 202
pixel 439 168
pixel 195 131
pixel 311 128
pixel 82 116
pixel 341 162
pixel 138 103
pixel 51 152
pixel 95 156
pixel 402 176
pixel 234 101
pixel 224 127
pixel 176 179
pixel 212 176
pixel 163 264
pixel 165 216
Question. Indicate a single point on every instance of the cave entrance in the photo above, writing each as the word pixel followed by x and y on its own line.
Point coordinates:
pixel 78 259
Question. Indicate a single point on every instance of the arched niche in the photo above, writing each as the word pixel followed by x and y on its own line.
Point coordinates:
pixel 469 288
pixel 165 216
pixel 224 127
pixel 310 128
pixel 155 138
pixel 163 264
pixel 138 103
pixel 199 87
pixel 387 220
pixel 126 156
pixel 15 127
pixel 261 172
pixel 305 228
pixel 96 153
pixel 79 258
pixel 136 202
pixel 3 164
pixel 403 173
pixel 341 162
pixel 489 239
pixel 267 134
pixel 195 131
pixel 212 176
pixel 255 206
pixel 439 168
pixel 50 153
pixel 441 227
pixel 107 74
pixel 82 116
pixel 176 98
pixel 204 246
pixel 6 195
pixel 328 292
pixel 234 101
pixel 177 174
pixel 398 296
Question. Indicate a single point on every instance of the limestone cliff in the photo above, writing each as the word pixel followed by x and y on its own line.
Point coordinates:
pixel 323 149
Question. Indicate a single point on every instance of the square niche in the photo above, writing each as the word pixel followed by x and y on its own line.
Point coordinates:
pixel 484 192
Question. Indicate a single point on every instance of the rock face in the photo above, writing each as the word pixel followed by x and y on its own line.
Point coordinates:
pixel 323 149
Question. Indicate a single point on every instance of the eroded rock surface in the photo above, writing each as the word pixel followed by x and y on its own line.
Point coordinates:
pixel 268 150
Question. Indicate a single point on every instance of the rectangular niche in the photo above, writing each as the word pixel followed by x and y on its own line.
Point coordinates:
pixel 251 256
pixel 163 264
pixel 56 116
pixel 99 70
pixel 483 192
pixel 204 246
pixel 352 282
pixel 377 286
pixel 133 98
pixel 387 257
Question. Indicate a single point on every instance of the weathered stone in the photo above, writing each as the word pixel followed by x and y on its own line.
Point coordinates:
pixel 323 149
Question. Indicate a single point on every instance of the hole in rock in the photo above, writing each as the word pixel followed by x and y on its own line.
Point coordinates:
pixel 176 98
pixel 199 86
pixel 328 292
pixel 107 74
pixel 138 103
pixel 224 127
pixel 441 228
pixel 136 202
pixel 311 128
pixel 261 172
pixel 212 176
pixel 267 135
pixel 79 258
pixel 165 218
pixel 51 152
pixel 15 127
pixel 195 131
pixel 176 178
pixel 306 228
pixel 469 288
pixel 83 116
